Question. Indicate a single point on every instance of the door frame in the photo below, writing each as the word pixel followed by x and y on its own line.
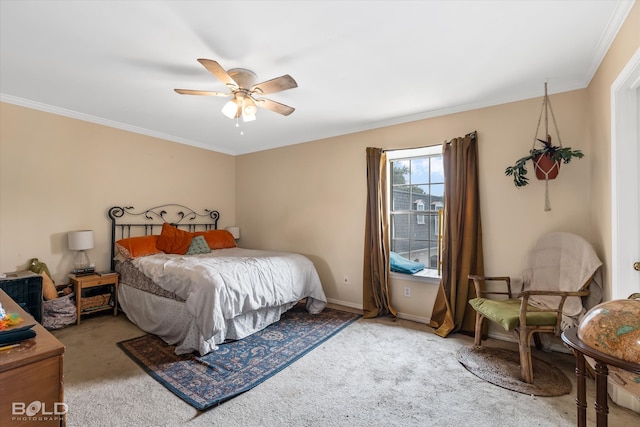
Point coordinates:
pixel 625 179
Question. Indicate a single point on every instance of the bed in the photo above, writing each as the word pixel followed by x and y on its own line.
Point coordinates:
pixel 210 293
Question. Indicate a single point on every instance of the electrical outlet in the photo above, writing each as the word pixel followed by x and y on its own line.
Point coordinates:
pixel 407 292
pixel 346 280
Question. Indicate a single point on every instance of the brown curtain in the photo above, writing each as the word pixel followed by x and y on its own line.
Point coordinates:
pixel 462 239
pixel 376 298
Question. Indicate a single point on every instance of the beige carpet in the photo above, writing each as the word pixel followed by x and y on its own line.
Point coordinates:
pixel 373 373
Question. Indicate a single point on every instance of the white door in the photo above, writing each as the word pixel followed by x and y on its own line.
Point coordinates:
pixel 625 179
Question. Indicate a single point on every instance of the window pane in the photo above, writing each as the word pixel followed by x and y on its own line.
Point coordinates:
pixel 420 171
pixel 433 226
pixel 400 172
pixel 437 170
pixel 401 196
pixel 436 201
pixel 419 253
pixel 400 226
pixel 420 193
pixel 401 247
pixel 419 227
pixel 433 258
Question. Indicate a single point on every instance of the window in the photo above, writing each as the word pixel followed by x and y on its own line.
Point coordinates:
pixel 416 195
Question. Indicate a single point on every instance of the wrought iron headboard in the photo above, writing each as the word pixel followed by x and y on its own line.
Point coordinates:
pixel 152 219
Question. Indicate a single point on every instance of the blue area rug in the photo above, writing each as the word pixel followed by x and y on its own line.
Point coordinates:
pixel 237 366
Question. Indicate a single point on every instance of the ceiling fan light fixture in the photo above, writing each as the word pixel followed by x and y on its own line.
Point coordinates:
pixel 230 109
pixel 249 107
pixel 248 117
pixel 249 110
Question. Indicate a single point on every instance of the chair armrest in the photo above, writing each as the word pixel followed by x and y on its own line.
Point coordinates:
pixel 478 282
pixel 524 306
pixel 562 294
pixel 555 293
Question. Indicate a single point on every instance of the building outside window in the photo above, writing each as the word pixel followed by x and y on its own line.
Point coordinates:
pixel 416 201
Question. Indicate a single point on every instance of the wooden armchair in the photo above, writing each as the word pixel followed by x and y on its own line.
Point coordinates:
pixel 516 314
pixel 562 261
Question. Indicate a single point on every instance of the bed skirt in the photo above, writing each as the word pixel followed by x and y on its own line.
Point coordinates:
pixel 170 320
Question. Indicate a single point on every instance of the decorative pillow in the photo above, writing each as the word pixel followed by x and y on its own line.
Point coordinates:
pixel 217 239
pixel 173 240
pixel 49 290
pixel 198 246
pixel 134 247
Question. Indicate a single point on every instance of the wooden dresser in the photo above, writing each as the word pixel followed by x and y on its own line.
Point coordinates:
pixel 31 377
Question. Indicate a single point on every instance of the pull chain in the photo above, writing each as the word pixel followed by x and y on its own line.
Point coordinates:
pixel 238 125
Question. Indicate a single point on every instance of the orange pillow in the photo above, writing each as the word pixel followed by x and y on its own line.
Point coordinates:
pixel 217 239
pixel 173 240
pixel 134 247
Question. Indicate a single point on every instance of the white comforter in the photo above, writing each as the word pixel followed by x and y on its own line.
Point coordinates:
pixel 229 282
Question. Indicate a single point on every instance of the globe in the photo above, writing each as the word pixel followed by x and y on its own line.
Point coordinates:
pixel 613 328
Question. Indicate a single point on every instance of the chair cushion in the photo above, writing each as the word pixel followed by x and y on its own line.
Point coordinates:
pixel 507 313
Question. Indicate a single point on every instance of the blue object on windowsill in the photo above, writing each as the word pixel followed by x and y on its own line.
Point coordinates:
pixel 399 264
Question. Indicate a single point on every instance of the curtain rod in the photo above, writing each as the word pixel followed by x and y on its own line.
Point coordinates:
pixel 473 135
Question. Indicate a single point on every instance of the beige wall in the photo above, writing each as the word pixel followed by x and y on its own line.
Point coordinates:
pixel 310 198
pixel 599 95
pixel 59 174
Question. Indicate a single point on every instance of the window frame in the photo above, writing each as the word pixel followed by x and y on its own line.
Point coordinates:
pixel 428 274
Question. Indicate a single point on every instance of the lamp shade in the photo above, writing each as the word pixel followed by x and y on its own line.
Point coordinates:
pixel 80 240
pixel 231 109
pixel 235 232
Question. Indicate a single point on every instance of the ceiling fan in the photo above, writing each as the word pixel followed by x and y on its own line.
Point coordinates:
pixel 245 92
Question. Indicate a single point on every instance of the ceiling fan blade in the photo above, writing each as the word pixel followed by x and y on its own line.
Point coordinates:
pixel 200 92
pixel 275 85
pixel 215 69
pixel 276 107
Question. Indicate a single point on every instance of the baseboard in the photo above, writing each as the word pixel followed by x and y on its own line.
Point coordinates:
pixel 418 319
pixel 405 316
pixel 344 303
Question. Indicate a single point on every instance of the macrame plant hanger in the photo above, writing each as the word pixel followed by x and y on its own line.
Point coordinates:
pixel 546 108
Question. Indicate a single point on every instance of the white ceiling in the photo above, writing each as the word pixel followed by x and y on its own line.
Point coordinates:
pixel 359 64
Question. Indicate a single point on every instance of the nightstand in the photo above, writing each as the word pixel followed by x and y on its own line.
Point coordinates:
pixel 95 293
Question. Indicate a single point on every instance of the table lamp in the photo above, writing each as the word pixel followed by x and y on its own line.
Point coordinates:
pixel 81 241
pixel 235 232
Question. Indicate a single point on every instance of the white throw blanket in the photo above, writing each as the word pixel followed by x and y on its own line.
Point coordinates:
pixel 229 282
pixel 561 261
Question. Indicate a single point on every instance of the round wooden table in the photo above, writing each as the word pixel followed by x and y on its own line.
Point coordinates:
pixel 570 337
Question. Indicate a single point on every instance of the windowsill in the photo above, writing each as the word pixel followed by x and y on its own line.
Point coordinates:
pixel 425 276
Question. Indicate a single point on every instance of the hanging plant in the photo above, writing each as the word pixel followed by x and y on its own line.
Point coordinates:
pixel 546 158
pixel 546 161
